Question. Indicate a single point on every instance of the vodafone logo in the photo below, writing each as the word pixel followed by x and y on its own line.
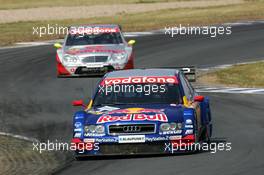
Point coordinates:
pixel 92 30
pixel 140 80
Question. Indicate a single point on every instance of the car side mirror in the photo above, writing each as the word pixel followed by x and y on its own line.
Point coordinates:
pixel 199 98
pixel 57 45
pixel 131 42
pixel 78 103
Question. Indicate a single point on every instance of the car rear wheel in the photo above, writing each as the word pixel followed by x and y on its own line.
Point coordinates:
pixel 206 134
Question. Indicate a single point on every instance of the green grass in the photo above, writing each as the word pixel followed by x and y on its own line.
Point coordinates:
pixel 22 31
pixel 248 75
pixel 20 4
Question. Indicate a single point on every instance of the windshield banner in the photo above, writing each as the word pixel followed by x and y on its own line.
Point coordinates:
pixel 140 80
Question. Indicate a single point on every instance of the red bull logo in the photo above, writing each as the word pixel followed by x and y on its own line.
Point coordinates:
pixel 133 117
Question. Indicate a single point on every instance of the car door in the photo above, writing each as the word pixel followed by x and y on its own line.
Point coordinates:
pixel 190 94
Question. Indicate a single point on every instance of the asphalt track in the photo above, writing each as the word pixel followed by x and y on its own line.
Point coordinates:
pixel 34 103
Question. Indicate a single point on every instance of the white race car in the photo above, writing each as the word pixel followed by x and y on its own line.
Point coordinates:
pixel 91 50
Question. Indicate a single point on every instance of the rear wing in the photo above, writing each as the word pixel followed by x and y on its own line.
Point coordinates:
pixel 188 71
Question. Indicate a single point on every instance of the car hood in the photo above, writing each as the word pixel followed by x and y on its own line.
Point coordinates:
pixel 95 49
pixel 135 114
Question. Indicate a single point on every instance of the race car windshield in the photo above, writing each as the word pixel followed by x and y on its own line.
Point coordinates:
pixel 138 94
pixel 94 39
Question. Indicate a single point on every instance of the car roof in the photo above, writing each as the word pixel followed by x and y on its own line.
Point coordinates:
pixel 142 72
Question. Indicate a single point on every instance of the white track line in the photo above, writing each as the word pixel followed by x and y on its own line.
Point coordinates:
pixel 253 91
pixel 231 90
pixel 19 137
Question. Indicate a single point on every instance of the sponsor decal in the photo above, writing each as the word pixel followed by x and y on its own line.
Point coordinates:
pixel 189 131
pixel 107 140
pixel 188 121
pixel 187 113
pixel 131 139
pixel 156 117
pixel 140 80
pixel 188 126
pixel 171 132
pixel 77 135
pixel 77 129
pixel 88 140
pixel 93 65
pixel 92 30
pixel 93 135
pixel 78 124
pixel 175 137
pixel 153 139
pixel 109 118
pixel 78 116
pixel 133 117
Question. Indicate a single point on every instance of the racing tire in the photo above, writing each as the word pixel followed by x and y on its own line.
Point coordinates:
pixel 206 135
pixel 196 134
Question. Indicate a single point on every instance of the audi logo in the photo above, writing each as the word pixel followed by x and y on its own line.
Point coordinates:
pixel 131 128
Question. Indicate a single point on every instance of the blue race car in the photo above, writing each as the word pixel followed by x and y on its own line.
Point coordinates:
pixel 142 111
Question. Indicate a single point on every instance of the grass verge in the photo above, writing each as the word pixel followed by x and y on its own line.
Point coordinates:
pixel 22 4
pixel 22 31
pixel 245 75
pixel 17 157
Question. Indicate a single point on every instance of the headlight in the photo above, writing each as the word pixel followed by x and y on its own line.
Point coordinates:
pixel 170 126
pixel 179 125
pixel 70 59
pixel 98 129
pixel 165 127
pixel 173 126
pixel 119 56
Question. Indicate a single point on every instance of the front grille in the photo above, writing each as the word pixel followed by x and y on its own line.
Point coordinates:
pixel 94 59
pixel 93 70
pixel 132 129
